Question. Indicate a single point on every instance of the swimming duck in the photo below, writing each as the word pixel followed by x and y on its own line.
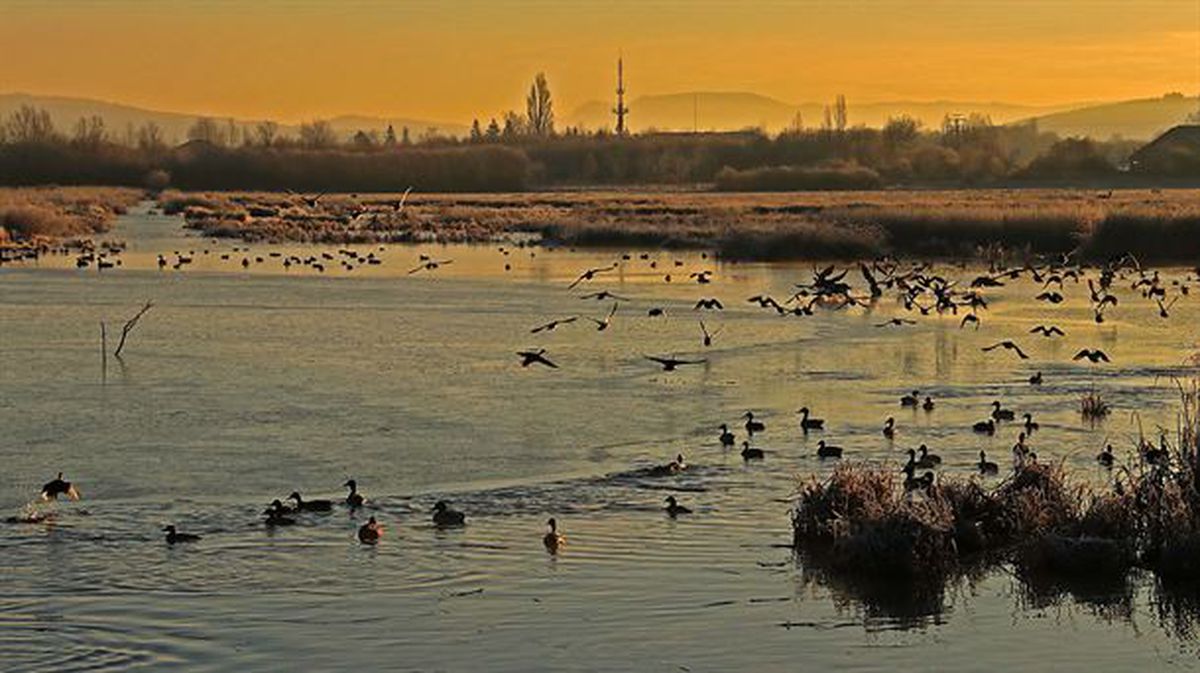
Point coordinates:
pixel 1036 379
pixel 928 405
pixel 910 400
pixel 914 483
pixel 889 428
pixel 553 539
pixel 674 509
pixel 751 454
pixel 277 514
pixel 753 426
pixel 727 437
pixel 444 516
pixel 1106 457
pixel 1030 426
pixel 927 458
pixel 174 537
pixel 354 499
pixel 310 505
pixel 1001 414
pixel 826 451
pixel 370 532
pixel 57 487
pixel 807 423
pixel 986 466
pixel 987 427
pixel 674 467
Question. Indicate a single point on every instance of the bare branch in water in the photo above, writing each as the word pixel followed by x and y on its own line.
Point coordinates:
pixel 103 352
pixel 129 325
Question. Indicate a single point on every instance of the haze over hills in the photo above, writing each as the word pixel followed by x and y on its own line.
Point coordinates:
pixel 706 111
pixel 1143 119
pixel 65 111
pixel 737 110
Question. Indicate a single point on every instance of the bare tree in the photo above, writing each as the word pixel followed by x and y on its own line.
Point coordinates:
pixel 539 108
pixel 29 124
pixel 839 114
pixel 90 131
pixel 266 132
pixel 318 134
pixel 206 129
pixel 150 137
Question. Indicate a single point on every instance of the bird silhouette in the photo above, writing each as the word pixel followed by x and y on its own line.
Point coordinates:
pixel 670 364
pixel 535 357
pixel 1095 356
pixel 1007 345
pixel 1048 331
pixel 710 304
pixel 553 324
pixel 602 325
pixel 591 274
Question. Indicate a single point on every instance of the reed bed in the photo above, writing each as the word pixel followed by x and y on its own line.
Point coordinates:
pixel 1154 226
pixel 1049 526
pixel 28 214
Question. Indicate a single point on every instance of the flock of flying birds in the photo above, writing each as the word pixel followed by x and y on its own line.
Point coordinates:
pixel 919 290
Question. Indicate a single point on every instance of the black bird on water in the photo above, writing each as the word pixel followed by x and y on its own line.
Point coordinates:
pixel 674 509
pixel 751 454
pixel 56 487
pixel 727 437
pixel 443 516
pixel 354 499
pixel 1007 345
pixel 670 364
pixel 370 532
pixel 808 423
pixel 538 357
pixel 1095 356
pixel 303 505
pixel 1036 379
pixel 753 426
pixel 826 451
pixel 986 466
pixel 174 537
pixel 277 514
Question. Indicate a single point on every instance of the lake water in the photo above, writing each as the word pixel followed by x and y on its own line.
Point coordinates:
pixel 241 385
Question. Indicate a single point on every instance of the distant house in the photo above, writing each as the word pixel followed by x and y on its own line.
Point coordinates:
pixel 1176 152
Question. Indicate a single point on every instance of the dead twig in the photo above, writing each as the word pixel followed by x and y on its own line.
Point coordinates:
pixel 129 325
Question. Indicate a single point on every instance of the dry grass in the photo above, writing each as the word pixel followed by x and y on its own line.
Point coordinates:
pixel 60 212
pixel 1093 406
pixel 802 225
pixel 860 522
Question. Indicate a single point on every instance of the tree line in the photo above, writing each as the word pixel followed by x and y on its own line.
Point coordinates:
pixel 519 151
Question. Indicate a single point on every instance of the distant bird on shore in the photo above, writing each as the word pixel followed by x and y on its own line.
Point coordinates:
pixel 1007 345
pixel 670 364
pixel 591 274
pixel 56 487
pixel 175 537
pixel 553 324
pixel 538 357
pixel 1048 330
pixel 1095 356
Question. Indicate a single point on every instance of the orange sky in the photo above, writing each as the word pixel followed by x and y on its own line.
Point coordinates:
pixel 454 60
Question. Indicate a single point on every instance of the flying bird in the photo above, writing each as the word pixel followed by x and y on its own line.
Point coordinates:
pixel 602 295
pixel 590 274
pixel 1007 345
pixel 708 336
pixel 1048 331
pixel 898 322
pixel 969 318
pixel 602 325
pixel 553 324
pixel 426 266
pixel 710 304
pixel 535 357
pixel 1095 356
pixel 670 364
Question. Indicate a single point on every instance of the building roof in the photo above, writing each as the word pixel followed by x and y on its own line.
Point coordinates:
pixel 1185 136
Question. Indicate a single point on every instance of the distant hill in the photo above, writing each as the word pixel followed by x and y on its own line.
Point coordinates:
pixel 1134 119
pixel 65 111
pixel 708 111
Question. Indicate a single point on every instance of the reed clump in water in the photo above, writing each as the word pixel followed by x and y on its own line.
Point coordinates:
pixel 1093 406
pixel 860 521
